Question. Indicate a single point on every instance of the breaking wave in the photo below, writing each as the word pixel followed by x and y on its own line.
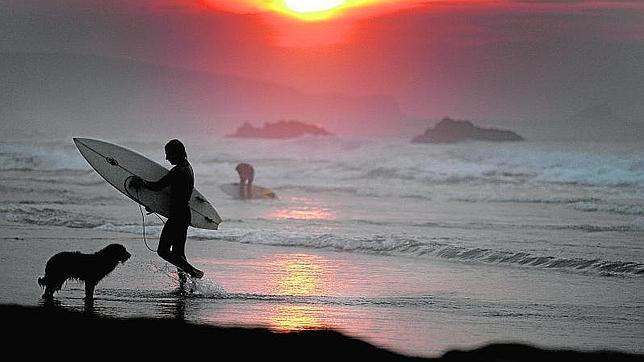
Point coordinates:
pixel 440 248
pixel 24 213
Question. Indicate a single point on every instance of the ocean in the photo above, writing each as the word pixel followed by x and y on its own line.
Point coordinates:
pixel 416 248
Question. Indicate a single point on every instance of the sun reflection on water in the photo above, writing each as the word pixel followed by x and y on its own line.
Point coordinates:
pixel 303 208
pixel 293 291
pixel 300 275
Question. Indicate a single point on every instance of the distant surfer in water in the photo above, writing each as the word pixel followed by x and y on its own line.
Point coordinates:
pixel 246 175
pixel 181 180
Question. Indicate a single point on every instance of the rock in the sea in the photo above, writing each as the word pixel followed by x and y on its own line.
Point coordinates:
pixel 449 131
pixel 281 129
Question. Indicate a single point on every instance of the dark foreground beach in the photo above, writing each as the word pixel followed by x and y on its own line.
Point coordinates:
pixel 50 331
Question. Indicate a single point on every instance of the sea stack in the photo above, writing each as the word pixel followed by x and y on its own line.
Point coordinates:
pixel 281 129
pixel 450 131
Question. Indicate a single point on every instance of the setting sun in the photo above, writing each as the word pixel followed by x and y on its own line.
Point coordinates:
pixel 313 10
pixel 312 6
pixel 310 10
pixel 311 23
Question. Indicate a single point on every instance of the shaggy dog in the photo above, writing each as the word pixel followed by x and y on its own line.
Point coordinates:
pixel 89 268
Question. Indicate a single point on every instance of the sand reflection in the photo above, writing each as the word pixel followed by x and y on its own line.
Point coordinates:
pixel 287 318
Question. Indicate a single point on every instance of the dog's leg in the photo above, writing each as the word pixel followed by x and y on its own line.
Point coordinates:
pixel 89 306
pixel 89 290
pixel 52 287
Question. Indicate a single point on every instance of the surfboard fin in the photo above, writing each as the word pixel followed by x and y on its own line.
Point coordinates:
pixel 210 220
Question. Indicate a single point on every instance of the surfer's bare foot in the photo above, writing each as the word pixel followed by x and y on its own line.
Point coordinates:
pixel 198 274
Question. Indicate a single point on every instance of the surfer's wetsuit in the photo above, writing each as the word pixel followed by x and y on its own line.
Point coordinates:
pixel 181 180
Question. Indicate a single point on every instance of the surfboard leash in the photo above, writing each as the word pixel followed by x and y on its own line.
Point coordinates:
pixel 145 241
pixel 143 223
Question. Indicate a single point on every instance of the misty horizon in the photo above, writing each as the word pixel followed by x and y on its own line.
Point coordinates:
pixel 135 88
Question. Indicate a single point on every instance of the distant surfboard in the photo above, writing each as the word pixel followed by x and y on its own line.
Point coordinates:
pixel 259 192
pixel 117 165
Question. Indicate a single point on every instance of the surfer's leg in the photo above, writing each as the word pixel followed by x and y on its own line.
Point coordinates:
pixel 165 241
pixel 179 242
pixel 170 233
pixel 242 187
pixel 173 236
pixel 183 276
pixel 179 250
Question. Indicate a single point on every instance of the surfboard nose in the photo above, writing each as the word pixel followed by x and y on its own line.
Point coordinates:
pixel 77 140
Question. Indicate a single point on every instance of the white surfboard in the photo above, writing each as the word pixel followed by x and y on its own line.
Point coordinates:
pixel 117 165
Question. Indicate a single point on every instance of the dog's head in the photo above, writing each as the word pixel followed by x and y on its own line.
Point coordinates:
pixel 116 252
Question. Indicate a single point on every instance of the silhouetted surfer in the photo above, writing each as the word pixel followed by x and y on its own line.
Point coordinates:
pixel 181 180
pixel 246 175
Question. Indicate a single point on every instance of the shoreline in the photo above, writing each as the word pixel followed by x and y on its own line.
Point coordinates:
pixel 388 309
pixel 55 329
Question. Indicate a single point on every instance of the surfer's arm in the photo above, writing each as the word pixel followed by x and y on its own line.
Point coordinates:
pixel 155 185
pixel 158 185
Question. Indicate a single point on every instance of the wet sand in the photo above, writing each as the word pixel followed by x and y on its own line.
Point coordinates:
pixel 49 330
